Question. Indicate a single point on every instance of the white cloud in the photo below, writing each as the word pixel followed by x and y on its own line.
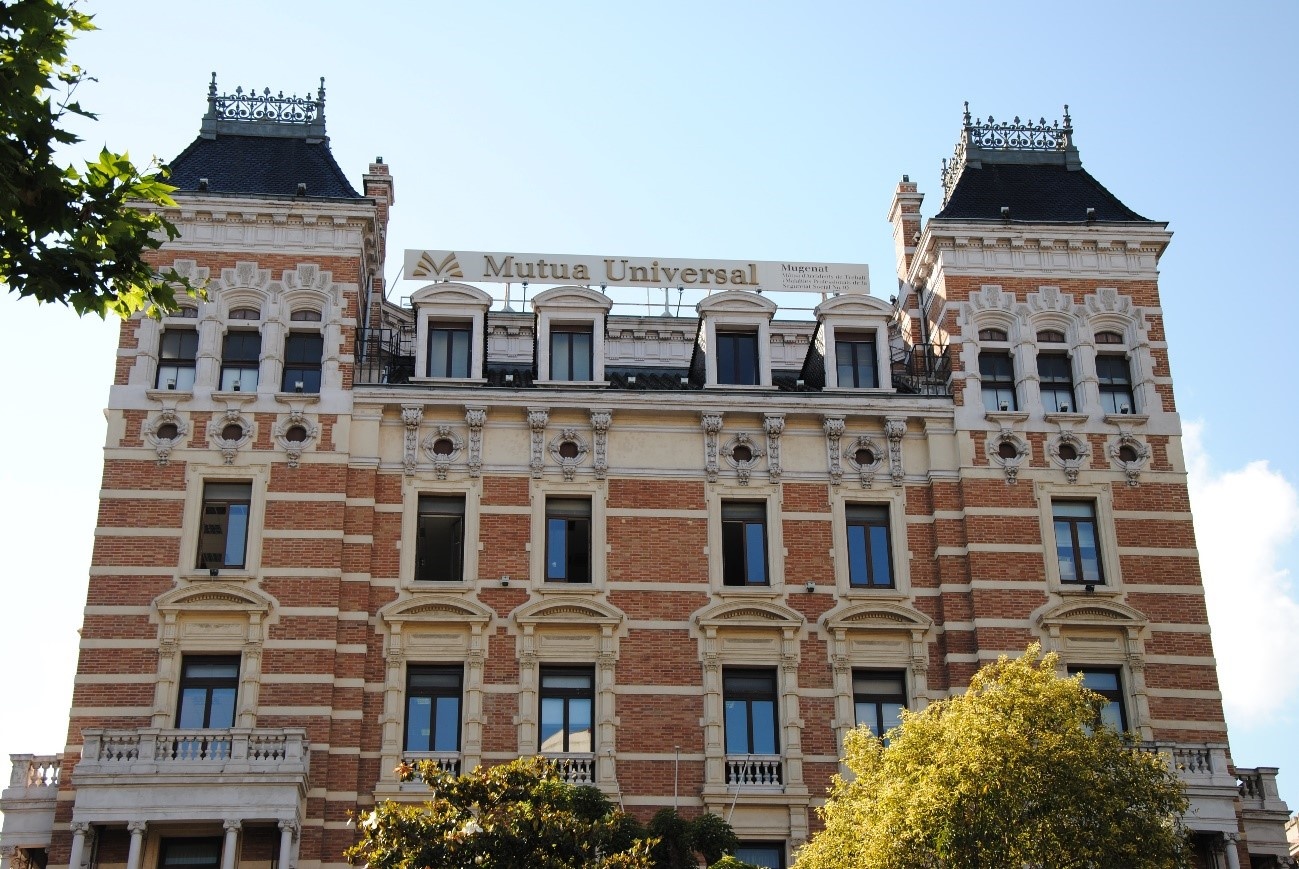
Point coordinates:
pixel 1244 520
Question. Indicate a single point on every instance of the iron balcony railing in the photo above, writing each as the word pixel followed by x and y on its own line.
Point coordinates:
pixel 922 369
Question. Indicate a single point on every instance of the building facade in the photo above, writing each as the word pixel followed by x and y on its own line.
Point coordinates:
pixel 680 553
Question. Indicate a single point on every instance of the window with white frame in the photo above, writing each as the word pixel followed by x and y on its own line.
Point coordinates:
pixel 223 531
pixel 749 703
pixel 1077 543
pixel 449 351
pixel 433 699
pixel 177 354
pixel 567 698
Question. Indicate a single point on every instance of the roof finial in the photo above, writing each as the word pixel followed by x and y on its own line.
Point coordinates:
pixel 211 88
pixel 966 121
pixel 1068 121
pixel 321 93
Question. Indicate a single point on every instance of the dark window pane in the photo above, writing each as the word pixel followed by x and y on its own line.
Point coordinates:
pixel 997 380
pixel 447 734
pixel 209 687
pixel 570 354
pixel 433 708
pixel 737 727
pixel 448 351
pixel 737 358
pixel 764 726
pixel 190 854
pixel 855 362
pixel 439 553
pixel 568 540
pixel 223 531
pixel 567 710
pixel 869 558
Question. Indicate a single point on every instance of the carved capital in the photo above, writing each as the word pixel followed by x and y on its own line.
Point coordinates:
pixel 137 828
pixel 289 826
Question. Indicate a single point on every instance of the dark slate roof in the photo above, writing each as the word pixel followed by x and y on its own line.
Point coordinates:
pixel 1034 193
pixel 261 165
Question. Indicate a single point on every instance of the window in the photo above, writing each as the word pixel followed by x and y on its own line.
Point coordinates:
pixel 305 316
pixel 855 361
pixel 997 377
pixel 245 314
pixel 176 355
pixel 223 537
pixel 568 540
pixel 749 702
pixel 1108 684
pixel 737 358
pixel 190 854
pixel 993 335
pixel 1076 544
pixel 1109 338
pixel 567 710
pixel 240 355
pixel 302 354
pixel 869 562
pixel 1050 336
pixel 448 349
pixel 433 708
pixel 570 353
pixel 878 698
pixel 1055 376
pixel 768 855
pixel 208 687
pixel 744 543
pixel 1115 383
pixel 440 539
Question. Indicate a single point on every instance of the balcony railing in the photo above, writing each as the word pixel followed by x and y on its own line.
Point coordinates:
pixel 447 761
pixel 226 750
pixel 385 355
pixel 576 768
pixel 754 771
pixel 35 770
pixel 921 369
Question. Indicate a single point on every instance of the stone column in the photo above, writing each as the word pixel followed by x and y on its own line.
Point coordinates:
pixel 79 829
pixel 228 847
pixel 288 832
pixel 1233 856
pixel 7 854
pixel 136 829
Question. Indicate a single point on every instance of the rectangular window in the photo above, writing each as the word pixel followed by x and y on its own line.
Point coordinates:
pixel 749 701
pixel 1108 684
pixel 223 535
pixel 176 355
pixel 878 698
pixel 570 353
pixel 209 685
pixel 997 378
pixel 567 710
pixel 440 539
pixel 1115 379
pixel 433 708
pixel 767 855
pixel 568 540
pixel 1055 376
pixel 1076 544
pixel 737 358
pixel 240 355
pixel 448 350
pixel 855 361
pixel 303 352
pixel 870 564
pixel 744 543
pixel 190 853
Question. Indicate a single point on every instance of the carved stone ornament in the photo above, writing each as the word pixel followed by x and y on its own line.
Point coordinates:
pixel 475 418
pixel 1008 451
pixel 411 416
pixel 231 422
pixel 1131 455
pixel 164 433
pixel 443 447
pixel 294 434
pixel 773 425
pixel 742 454
pixel 537 419
pixel 569 450
pixel 833 427
pixel 1070 452
pixel 865 457
pixel 895 428
pixel 600 422
pixel 712 426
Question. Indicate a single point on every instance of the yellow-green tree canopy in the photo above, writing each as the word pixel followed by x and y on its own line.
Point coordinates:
pixel 1016 772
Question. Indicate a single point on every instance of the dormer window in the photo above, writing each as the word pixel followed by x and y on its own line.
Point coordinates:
pixel 851 345
pixel 451 322
pixel 735 339
pixel 855 362
pixel 570 335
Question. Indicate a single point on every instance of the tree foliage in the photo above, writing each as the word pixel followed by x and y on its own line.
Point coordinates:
pixel 680 839
pixel 1015 772
pixel 69 235
pixel 519 814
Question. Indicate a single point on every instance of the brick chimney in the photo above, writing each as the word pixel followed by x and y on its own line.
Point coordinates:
pixel 904 214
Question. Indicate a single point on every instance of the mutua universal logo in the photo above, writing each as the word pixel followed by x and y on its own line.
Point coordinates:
pixel 613 271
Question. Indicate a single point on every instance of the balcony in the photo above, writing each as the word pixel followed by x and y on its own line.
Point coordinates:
pixel 1210 785
pixel 1264 812
pixel 28 802
pixel 158 774
pixel 577 768
pixel 755 772
pixel 447 761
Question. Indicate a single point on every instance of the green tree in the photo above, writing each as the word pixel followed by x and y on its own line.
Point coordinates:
pixel 1015 772
pixel 519 814
pixel 69 235
pixel 679 839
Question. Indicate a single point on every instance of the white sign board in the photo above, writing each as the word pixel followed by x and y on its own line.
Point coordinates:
pixel 473 266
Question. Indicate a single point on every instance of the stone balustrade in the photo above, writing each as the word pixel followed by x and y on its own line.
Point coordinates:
pixel 754 771
pixel 577 768
pixel 231 750
pixel 35 770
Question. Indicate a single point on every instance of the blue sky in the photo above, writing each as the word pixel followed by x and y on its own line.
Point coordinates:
pixel 745 130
